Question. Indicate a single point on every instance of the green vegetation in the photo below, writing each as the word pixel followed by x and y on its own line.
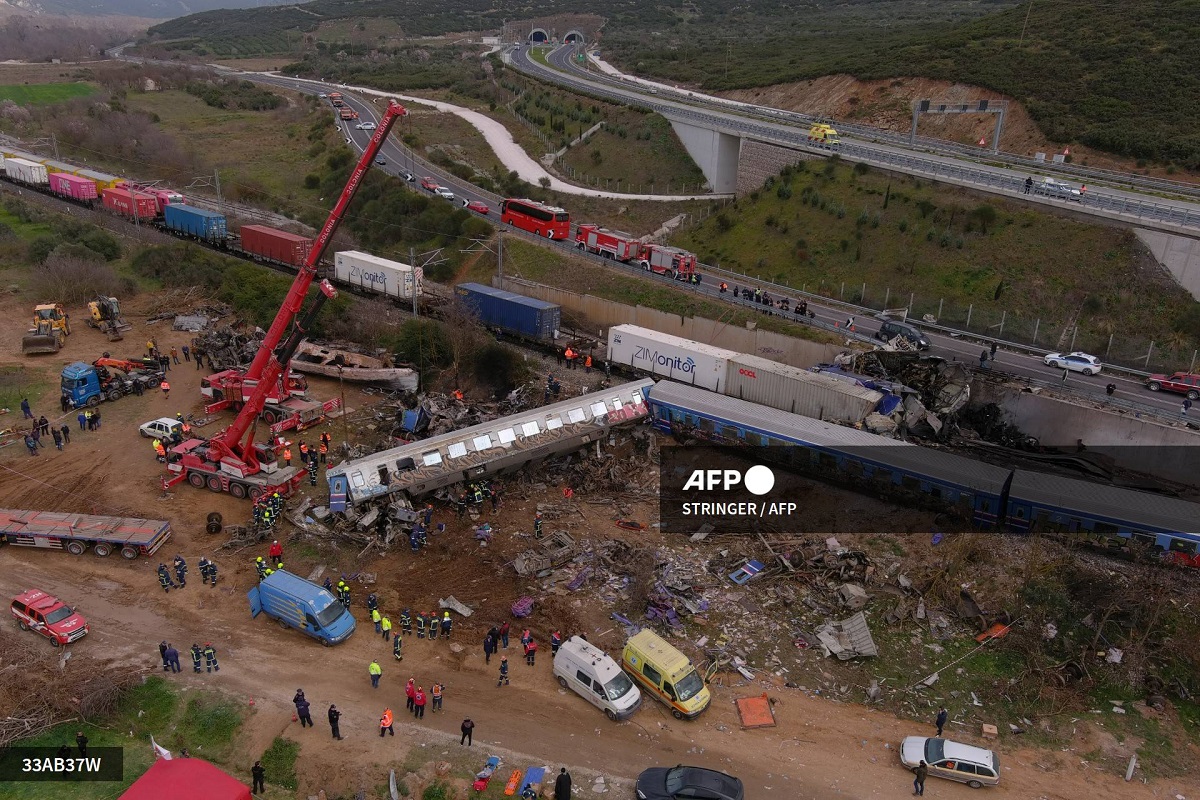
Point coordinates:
pixel 43 93
pixel 831 231
pixel 280 762
pixel 16 384
pixel 241 95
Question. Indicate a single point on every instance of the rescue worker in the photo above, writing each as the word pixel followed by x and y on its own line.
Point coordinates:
pixel 375 671
pixel 460 502
pixel 419 701
pixel 372 602
pixel 346 597
pixel 385 723
pixel 410 692
pixel 164 579
pixel 279 566
pixel 478 493
pixel 312 474
pixel 196 653
pixel 427 515
pixel 526 637
pixel 503 671
pixel 160 451
pixel 587 364
pixel 421 625
pixel 204 565
pixel 260 564
pixel 433 625
pixel 537 525
pixel 530 651
pixel 555 642
pixel 386 625
pixel 377 619
pixel 210 658
pixel 406 622
pixel 422 536
pixel 268 572
pixel 166 390
pixel 323 450
pixel 304 452
pixel 326 439
pixel 446 624
pixel 275 551
pixel 396 643
pixel 287 455
pixel 724 287
pixel 435 692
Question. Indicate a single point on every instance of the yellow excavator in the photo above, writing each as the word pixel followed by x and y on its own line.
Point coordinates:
pixel 106 317
pixel 51 327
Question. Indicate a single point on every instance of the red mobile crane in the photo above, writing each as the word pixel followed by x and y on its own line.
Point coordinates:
pixel 231 461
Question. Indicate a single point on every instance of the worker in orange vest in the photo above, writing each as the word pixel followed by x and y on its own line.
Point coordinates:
pixel 160 450
pixel 385 723
pixel 569 355
pixel 187 429
pixel 287 455
pixel 458 395
pixel 304 452
pixel 587 364
pixel 166 389
pixel 323 449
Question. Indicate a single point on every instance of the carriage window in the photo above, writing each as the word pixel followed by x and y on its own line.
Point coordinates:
pixel 507 436
pixel 356 479
pixel 432 458
pixel 729 431
pixel 576 415
pixel 482 443
pixel 457 450
pixel 637 398
pixel 936 491
pixel 616 404
pixel 707 425
pixel 1104 528
pixel 1181 546
pixel 530 429
pixel 776 442
pixel 909 482
pixel 1020 513
pixel 883 475
pixel 553 423
pixel 827 460
pixel 599 410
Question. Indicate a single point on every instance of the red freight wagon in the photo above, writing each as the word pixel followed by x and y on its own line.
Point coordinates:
pixel 73 186
pixel 276 245
pixel 121 201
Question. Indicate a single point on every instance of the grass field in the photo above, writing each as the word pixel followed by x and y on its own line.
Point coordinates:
pixel 41 93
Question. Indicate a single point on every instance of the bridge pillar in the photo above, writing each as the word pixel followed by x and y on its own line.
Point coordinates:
pixel 715 152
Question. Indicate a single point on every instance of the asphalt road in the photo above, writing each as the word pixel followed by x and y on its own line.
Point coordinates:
pixel 1130 392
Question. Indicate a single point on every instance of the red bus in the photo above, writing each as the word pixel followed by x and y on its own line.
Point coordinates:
pixel 530 215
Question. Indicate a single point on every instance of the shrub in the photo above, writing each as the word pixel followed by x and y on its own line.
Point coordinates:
pixel 902 225
pixel 67 278
pixel 784 192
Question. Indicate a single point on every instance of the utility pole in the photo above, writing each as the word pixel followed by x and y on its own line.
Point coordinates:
pixel 500 256
pixel 412 262
pixel 1026 25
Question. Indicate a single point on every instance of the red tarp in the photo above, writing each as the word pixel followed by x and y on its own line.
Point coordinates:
pixel 186 779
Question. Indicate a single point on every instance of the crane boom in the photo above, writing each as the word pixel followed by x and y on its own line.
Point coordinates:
pixel 235 445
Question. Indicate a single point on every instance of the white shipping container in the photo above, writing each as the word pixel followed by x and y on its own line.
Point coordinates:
pixel 374 274
pixel 683 360
pixel 27 171
pixel 797 391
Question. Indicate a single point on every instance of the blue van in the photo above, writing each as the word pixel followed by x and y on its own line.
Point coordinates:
pixel 302 605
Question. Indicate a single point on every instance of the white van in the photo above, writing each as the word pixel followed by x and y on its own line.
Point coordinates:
pixel 588 671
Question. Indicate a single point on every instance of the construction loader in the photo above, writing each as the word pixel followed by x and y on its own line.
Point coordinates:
pixel 51 327
pixel 106 317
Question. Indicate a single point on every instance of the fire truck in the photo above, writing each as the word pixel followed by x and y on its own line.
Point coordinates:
pixel 657 258
pixel 232 461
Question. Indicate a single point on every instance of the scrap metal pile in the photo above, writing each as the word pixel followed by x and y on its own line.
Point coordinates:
pixel 227 347
pixel 933 390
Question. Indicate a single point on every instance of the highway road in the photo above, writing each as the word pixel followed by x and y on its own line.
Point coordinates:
pixel 1024 366
pixel 1166 214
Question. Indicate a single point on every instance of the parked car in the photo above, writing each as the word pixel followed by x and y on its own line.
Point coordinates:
pixel 1075 362
pixel 891 329
pixel 477 206
pixel 1181 383
pixel 1052 188
pixel 160 428
pixel 444 193
pixel 365 126
pixel 408 176
pixel 35 610
pixel 964 763
pixel 429 184
pixel 683 783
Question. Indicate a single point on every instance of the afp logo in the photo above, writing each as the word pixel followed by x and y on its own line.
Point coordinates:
pixel 758 480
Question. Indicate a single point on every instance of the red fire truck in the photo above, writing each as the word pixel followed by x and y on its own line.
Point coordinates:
pixel 657 258
pixel 610 244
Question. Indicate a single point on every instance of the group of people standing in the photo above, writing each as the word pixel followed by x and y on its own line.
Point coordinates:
pixel 41 429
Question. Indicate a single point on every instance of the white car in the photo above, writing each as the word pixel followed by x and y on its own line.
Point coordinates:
pixel 1052 188
pixel 365 126
pixel 1075 362
pixel 964 763
pixel 161 428
pixel 444 193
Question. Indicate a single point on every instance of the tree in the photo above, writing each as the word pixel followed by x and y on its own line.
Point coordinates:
pixel 985 215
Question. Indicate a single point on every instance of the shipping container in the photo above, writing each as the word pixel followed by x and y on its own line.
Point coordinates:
pixel 276 245
pixel 122 202
pixel 682 360
pixel 25 171
pixel 515 313
pixel 374 274
pixel 73 186
pixel 198 222
pixel 798 391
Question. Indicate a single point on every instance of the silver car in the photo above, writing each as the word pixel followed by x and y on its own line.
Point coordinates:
pixel 964 763
pixel 1052 188
pixel 1075 362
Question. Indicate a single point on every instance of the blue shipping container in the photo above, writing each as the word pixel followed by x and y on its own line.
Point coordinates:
pixel 516 313
pixel 198 222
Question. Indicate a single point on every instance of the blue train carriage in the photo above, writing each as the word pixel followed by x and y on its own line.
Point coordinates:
pixel 964 488
pixel 1105 516
pixel 502 445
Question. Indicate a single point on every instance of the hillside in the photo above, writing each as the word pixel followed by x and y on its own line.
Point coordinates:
pixel 1118 77
pixel 149 9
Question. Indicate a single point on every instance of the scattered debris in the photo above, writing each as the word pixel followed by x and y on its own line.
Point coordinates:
pixel 848 638
pixel 746 572
pixel 456 606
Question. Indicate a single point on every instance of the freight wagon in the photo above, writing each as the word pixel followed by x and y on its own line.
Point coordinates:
pixel 25 171
pixel 73 187
pixel 798 391
pixel 377 275
pixel 512 313
pixel 75 533
pixel 275 245
pixel 198 223
pixel 133 204
pixel 682 360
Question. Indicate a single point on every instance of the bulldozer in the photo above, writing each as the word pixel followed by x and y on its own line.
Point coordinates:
pixel 106 317
pixel 51 327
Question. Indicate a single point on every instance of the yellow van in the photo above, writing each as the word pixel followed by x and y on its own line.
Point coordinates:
pixel 665 673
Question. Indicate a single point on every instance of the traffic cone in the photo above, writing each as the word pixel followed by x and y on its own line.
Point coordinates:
pixel 251 701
